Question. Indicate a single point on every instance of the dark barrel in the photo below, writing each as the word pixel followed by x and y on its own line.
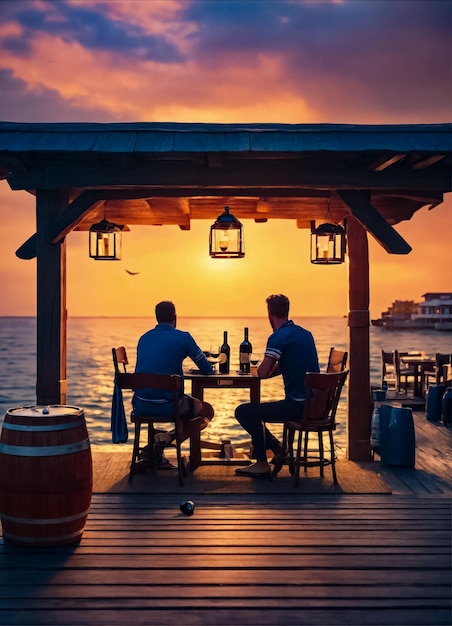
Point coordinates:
pixel 435 395
pixel 46 475
pixel 398 438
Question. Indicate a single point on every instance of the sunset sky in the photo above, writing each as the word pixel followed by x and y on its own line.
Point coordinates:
pixel 224 61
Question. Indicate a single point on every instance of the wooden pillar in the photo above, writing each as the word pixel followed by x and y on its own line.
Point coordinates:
pixel 51 301
pixel 359 405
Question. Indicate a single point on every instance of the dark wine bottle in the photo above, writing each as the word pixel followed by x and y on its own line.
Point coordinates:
pixel 244 353
pixel 225 353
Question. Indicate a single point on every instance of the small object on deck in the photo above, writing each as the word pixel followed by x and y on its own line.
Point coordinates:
pixel 187 507
pixel 226 451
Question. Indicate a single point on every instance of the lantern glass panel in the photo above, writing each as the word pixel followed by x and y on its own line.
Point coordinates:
pixel 105 246
pixel 327 248
pixel 226 242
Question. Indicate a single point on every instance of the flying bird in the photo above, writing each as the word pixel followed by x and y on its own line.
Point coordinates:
pixel 132 273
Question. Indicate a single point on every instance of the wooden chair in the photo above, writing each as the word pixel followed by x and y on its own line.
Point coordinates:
pixel 404 374
pixel 388 369
pixel 438 374
pixel 337 361
pixel 323 392
pixel 165 382
pixel 120 357
pixel 184 429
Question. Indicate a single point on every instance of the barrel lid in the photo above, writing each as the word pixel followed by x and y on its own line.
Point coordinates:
pixel 53 410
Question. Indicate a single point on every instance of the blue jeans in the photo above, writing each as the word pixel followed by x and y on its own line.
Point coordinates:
pixel 253 415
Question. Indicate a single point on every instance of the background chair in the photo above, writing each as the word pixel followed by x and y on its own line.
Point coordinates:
pixel 404 373
pixel 323 392
pixel 388 369
pixel 337 361
pixel 120 357
pixel 438 374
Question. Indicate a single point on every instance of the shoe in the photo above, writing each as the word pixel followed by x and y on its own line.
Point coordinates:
pixel 164 438
pixel 278 461
pixel 251 471
pixel 142 466
pixel 152 454
pixel 165 464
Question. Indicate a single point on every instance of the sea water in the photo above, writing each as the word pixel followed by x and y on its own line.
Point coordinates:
pixel 90 367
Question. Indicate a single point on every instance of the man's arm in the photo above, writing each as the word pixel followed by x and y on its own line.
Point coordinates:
pixel 268 368
pixel 198 356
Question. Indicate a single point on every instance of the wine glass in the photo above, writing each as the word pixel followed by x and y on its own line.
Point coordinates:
pixel 214 351
pixel 255 357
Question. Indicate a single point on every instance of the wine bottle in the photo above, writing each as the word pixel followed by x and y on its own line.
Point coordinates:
pixel 244 353
pixel 225 353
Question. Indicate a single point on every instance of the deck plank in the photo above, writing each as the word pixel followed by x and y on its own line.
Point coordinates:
pixel 252 558
pixel 381 559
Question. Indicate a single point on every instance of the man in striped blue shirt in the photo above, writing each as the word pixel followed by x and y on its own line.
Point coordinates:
pixel 291 352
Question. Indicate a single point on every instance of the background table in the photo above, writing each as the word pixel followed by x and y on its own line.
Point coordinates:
pixel 420 364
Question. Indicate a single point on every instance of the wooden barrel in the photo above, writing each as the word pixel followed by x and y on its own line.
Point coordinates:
pixel 46 475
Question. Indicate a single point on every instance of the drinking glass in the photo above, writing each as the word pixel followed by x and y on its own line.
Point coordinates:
pixel 255 357
pixel 214 351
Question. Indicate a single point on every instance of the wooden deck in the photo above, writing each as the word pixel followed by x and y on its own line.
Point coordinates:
pixel 266 559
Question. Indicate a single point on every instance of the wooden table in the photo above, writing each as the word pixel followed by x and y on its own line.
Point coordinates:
pixel 199 382
pixel 419 364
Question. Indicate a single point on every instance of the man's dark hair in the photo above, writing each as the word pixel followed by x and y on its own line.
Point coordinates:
pixel 165 312
pixel 278 305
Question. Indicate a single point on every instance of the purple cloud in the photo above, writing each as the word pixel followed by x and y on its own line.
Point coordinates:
pixel 89 26
pixel 19 103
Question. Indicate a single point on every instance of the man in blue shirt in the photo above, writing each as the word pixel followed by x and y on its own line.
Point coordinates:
pixel 162 350
pixel 291 352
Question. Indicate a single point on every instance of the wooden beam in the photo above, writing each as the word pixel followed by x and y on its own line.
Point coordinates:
pixel 368 216
pixel 386 161
pixel 420 165
pixel 235 173
pixel 63 223
pixel 51 302
pixel 359 405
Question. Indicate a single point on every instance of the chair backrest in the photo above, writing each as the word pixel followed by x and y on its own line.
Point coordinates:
pixel 337 361
pixel 119 358
pixel 323 392
pixel 144 380
pixel 442 362
pixel 388 364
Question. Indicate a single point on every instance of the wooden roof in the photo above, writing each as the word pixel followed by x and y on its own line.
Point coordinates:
pixel 170 173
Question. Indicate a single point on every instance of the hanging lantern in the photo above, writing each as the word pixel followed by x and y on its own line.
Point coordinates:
pixel 105 241
pixel 327 244
pixel 226 237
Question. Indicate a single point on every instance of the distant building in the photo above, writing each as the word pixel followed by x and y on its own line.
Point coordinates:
pixel 434 313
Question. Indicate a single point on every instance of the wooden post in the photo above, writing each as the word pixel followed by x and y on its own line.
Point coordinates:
pixel 51 301
pixel 359 404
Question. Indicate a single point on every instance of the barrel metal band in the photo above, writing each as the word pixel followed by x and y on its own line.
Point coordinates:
pixel 69 448
pixel 41 428
pixel 52 520
pixel 53 540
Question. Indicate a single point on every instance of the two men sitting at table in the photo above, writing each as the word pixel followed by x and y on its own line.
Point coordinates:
pixel 291 352
pixel 162 350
